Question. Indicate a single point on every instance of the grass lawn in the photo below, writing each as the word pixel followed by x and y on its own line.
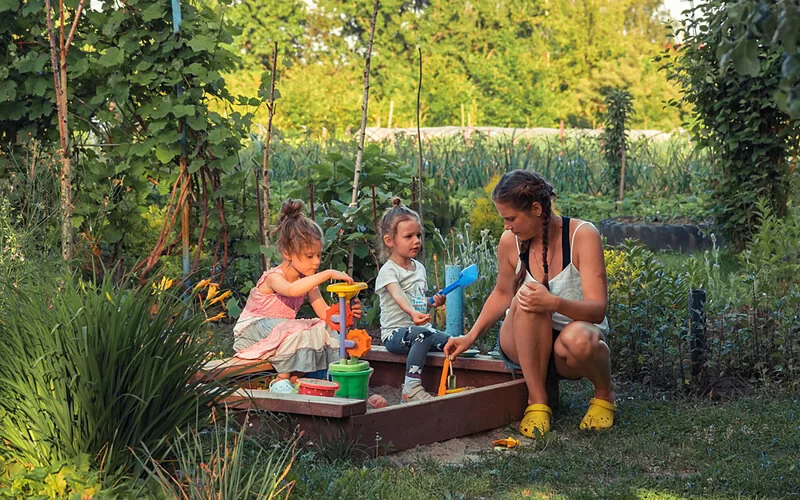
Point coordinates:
pixel 660 447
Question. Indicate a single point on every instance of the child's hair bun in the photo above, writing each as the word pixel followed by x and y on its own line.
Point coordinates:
pixel 292 208
pixel 396 202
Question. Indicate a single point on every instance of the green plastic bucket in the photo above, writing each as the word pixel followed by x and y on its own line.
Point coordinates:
pixel 353 378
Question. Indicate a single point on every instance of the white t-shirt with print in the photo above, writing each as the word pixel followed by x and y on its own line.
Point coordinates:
pixel 413 283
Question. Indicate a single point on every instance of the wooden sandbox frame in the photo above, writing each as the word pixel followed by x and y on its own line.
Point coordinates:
pixel 499 398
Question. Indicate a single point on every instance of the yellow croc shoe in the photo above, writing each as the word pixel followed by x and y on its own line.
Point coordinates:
pixel 536 420
pixel 600 416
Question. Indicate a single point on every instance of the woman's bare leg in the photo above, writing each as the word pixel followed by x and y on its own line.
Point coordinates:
pixel 581 352
pixel 527 339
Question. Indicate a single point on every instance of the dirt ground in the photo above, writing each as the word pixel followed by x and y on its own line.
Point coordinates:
pixel 453 451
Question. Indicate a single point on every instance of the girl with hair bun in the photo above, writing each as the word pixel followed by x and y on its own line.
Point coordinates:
pixel 551 294
pixel 401 284
pixel 267 328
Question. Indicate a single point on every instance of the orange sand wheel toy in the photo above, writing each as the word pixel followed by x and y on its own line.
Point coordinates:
pixel 344 319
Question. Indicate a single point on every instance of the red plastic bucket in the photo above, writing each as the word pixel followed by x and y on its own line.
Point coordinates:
pixel 315 387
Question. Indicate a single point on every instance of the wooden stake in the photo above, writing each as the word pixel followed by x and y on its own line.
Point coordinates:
pixel 363 132
pixel 265 183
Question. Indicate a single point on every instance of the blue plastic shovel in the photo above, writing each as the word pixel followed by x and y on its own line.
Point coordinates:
pixel 467 277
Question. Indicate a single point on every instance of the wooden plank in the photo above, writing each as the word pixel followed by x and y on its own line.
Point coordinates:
pixel 318 406
pixel 226 367
pixel 404 426
pixel 479 371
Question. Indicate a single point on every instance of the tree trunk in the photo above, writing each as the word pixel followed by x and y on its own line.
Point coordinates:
pixel 58 59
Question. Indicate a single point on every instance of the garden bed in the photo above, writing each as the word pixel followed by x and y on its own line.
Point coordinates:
pixel 498 399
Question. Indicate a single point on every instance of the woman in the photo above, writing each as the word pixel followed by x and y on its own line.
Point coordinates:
pixel 551 294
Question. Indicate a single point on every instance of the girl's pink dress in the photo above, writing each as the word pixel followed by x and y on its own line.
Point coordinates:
pixel 267 329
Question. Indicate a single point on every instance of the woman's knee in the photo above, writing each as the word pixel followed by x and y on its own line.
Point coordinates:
pixel 581 341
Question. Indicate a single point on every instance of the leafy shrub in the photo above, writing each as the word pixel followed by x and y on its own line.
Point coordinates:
pixel 57 480
pixel 646 302
pixel 735 114
pixel 93 369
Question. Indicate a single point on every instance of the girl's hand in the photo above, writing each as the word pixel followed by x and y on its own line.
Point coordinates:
pixel 333 274
pixel 534 297
pixel 419 318
pixel 457 345
pixel 439 300
pixel 355 307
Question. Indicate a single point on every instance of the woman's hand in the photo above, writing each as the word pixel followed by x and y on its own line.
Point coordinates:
pixel 457 345
pixel 439 300
pixel 419 318
pixel 534 297
pixel 355 307
pixel 333 274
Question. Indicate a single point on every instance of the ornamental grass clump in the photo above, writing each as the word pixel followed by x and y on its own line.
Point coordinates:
pixel 98 370
pixel 223 463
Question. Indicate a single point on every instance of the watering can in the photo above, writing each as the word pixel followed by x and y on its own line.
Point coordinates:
pixel 467 277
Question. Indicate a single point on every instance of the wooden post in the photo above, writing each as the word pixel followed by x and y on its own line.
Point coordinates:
pixel 697 331
pixel 391 112
pixel 311 201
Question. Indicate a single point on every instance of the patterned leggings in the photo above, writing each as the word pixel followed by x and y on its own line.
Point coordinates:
pixel 415 341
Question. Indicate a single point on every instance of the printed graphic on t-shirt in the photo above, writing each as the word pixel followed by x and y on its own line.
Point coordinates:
pixel 418 301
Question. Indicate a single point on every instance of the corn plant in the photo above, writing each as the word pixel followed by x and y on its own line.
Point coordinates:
pixel 94 369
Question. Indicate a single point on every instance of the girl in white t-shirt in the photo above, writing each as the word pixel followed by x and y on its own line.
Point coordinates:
pixel 401 285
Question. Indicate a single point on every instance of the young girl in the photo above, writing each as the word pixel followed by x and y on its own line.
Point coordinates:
pixel 401 285
pixel 267 328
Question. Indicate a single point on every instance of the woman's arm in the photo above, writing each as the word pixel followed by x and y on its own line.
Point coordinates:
pixel 280 285
pixel 500 299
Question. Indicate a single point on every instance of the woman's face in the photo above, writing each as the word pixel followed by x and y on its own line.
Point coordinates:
pixel 525 224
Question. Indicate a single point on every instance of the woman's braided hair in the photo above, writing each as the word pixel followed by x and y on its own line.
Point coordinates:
pixel 296 232
pixel 520 189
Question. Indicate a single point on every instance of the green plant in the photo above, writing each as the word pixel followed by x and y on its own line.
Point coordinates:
pixel 345 226
pixel 56 480
pixel 222 463
pixel 460 249
pixel 619 108
pixel 98 370
pixel 735 116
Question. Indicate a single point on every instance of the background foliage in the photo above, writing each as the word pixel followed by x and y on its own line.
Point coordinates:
pixel 516 63
pixel 754 144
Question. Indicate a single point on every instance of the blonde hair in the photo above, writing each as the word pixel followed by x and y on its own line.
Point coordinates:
pixel 388 225
pixel 296 232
